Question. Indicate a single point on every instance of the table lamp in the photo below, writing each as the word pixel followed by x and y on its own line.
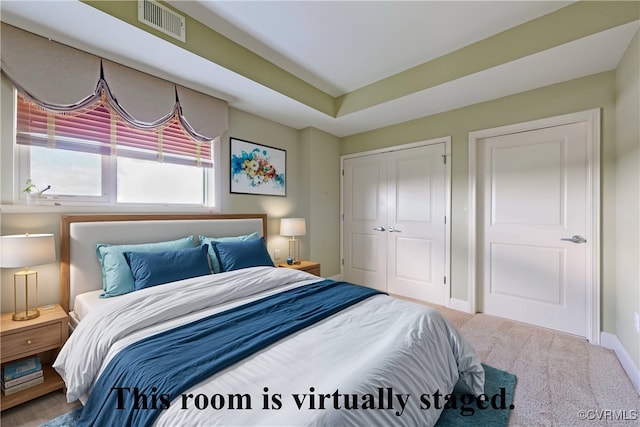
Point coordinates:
pixel 26 250
pixel 293 227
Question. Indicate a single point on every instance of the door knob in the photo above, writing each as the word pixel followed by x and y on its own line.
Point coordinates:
pixel 381 228
pixel 393 230
pixel 575 239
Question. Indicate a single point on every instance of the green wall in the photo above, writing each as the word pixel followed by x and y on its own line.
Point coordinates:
pixel 320 162
pixel 627 188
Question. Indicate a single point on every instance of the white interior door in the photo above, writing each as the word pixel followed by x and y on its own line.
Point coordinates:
pixel 533 196
pixel 416 218
pixel 394 228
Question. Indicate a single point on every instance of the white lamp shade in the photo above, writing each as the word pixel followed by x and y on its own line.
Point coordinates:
pixel 27 250
pixel 293 227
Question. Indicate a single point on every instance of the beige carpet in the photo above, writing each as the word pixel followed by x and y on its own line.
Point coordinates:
pixel 558 376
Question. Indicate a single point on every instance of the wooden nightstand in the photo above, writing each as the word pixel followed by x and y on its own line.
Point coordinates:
pixel 47 332
pixel 308 266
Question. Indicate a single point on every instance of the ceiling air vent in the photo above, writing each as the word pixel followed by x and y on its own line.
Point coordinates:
pixel 161 18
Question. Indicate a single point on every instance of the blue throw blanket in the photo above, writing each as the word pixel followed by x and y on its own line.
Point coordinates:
pixel 163 366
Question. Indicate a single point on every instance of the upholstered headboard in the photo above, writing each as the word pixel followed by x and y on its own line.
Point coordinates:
pixel 80 269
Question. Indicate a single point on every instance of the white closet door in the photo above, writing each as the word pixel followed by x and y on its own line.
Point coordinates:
pixel 394 222
pixel 365 221
pixel 416 223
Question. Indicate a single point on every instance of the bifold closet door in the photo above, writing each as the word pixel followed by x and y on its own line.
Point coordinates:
pixel 416 223
pixel 365 221
pixel 394 225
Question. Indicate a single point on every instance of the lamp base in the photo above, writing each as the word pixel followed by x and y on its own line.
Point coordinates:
pixel 29 312
pixel 26 315
pixel 293 252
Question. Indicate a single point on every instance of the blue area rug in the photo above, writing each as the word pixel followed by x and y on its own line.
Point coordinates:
pixel 70 419
pixel 499 387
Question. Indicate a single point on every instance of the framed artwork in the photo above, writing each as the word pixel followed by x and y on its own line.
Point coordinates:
pixel 257 169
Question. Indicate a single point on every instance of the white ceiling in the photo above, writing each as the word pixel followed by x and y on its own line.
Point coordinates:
pixel 340 46
pixel 337 46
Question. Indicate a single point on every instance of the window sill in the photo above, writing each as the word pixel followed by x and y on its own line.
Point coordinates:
pixel 70 208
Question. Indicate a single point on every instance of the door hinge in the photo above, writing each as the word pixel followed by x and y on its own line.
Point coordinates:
pixel 444 159
pixel 342 172
pixel 445 280
pixel 445 219
pixel 342 261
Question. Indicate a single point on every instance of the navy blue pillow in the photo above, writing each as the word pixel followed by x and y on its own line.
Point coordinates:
pixel 242 254
pixel 155 268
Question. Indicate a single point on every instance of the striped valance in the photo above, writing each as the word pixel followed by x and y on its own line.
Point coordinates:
pixel 62 79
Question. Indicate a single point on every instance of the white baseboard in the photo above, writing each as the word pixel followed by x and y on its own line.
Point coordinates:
pixel 337 277
pixel 460 305
pixel 612 342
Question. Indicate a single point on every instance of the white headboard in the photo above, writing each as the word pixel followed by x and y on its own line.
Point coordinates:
pixel 80 269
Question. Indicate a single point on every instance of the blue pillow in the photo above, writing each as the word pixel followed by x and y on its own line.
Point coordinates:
pixel 116 274
pixel 155 268
pixel 215 263
pixel 242 254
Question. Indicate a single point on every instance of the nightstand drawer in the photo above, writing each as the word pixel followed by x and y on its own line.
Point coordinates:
pixel 308 266
pixel 313 270
pixel 32 341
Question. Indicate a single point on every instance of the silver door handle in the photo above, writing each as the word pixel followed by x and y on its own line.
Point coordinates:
pixel 393 230
pixel 575 239
pixel 381 228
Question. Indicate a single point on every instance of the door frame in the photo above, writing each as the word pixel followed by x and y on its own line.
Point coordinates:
pixel 447 194
pixel 592 118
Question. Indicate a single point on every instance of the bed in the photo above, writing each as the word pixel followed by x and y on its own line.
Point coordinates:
pixel 250 345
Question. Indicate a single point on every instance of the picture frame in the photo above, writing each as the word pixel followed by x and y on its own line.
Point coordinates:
pixel 257 169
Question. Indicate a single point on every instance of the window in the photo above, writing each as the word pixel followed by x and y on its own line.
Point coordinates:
pixel 69 173
pixel 99 131
pixel 159 182
pixel 95 157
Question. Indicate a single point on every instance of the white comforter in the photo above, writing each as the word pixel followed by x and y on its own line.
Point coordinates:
pixel 382 353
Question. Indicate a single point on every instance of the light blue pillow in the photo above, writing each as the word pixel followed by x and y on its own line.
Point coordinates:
pixel 116 274
pixel 215 263
pixel 242 254
pixel 155 268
